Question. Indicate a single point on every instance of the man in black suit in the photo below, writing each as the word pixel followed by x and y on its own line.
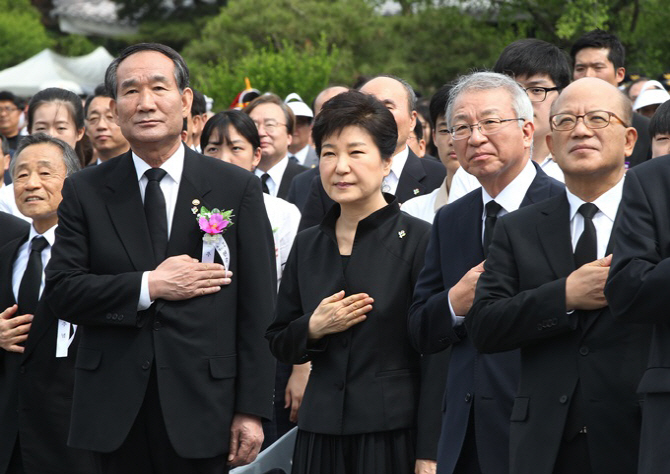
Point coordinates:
pixel 577 410
pixel 410 176
pixel 601 54
pixel 275 121
pixel 637 292
pixel 173 374
pixel 37 349
pixel 491 119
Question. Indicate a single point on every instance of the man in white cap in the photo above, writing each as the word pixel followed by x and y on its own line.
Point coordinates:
pixel 300 147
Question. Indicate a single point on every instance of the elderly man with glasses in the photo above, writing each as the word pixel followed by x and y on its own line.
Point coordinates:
pixel 576 410
pixel 491 121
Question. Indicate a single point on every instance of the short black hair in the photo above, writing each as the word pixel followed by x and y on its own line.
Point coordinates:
pixel 271 98
pixel 181 73
pixel 356 109
pixel 100 91
pixel 438 103
pixel 533 56
pixel 418 130
pixel 56 94
pixel 660 122
pixel 199 104
pixel 6 96
pixel 600 39
pixel 240 122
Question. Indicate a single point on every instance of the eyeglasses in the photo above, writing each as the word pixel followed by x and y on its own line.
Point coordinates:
pixel 8 109
pixel 269 125
pixel 95 119
pixel 489 126
pixel 538 94
pixel 593 120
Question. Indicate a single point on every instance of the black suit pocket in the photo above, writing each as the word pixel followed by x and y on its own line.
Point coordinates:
pixel 88 359
pixel 520 409
pixel 223 367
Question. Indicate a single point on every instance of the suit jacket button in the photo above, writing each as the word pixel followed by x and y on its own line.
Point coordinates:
pixel 563 399
pixel 584 350
pixel 108 316
pixel 120 317
pixel 146 365
pixel 468 397
pixel 157 325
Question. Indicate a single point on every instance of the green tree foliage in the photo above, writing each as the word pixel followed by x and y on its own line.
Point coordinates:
pixel 21 32
pixel 305 71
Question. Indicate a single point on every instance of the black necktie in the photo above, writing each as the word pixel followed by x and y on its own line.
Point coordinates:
pixel 29 291
pixel 293 159
pixel 155 212
pixel 264 183
pixel 492 210
pixel 587 246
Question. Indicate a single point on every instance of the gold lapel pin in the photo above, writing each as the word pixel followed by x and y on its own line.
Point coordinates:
pixel 196 202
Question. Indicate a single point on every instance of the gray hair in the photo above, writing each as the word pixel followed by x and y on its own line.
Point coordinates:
pixel 70 158
pixel 411 95
pixel 481 81
pixel 181 73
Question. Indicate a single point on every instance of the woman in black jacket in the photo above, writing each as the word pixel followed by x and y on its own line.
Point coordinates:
pixel 343 303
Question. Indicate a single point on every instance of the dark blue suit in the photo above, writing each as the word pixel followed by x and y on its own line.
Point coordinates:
pixel 489 381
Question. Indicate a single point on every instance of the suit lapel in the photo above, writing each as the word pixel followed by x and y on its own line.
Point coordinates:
pixel 554 234
pixel 411 178
pixel 127 213
pixel 470 220
pixel 539 189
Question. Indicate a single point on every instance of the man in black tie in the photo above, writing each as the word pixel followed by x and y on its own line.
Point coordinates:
pixel 491 121
pixel 275 122
pixel 577 410
pixel 38 349
pixel 173 374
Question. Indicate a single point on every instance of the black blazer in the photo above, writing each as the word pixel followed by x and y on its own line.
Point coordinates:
pixel 637 291
pixel 11 227
pixel 212 345
pixel 365 379
pixel 301 186
pixel 520 303
pixel 36 390
pixel 487 380
pixel 418 177
pixel 291 171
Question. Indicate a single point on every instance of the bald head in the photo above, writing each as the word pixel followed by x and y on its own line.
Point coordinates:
pixel 399 98
pixel 325 95
pixel 601 93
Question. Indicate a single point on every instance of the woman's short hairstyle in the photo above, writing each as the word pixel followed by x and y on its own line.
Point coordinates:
pixel 240 122
pixel 56 94
pixel 660 122
pixel 356 109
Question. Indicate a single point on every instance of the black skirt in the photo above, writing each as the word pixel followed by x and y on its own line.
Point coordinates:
pixel 386 452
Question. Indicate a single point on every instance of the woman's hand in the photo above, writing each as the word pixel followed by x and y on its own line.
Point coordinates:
pixel 295 389
pixel 337 314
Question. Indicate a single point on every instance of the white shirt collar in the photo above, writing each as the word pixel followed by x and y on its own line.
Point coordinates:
pixel 608 202
pixel 173 165
pixel 50 234
pixel 510 198
pixel 301 155
pixel 276 173
pixel 399 161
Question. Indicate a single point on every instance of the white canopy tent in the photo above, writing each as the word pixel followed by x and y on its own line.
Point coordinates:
pixel 48 68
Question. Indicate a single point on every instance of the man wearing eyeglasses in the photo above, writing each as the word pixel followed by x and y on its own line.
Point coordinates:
pixel 491 121
pixel 11 108
pixel 275 121
pixel 576 410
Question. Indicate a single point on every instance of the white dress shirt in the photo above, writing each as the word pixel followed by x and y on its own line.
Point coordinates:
pixel 284 219
pixel 276 174
pixel 552 169
pixel 603 220
pixel 390 183
pixel 510 199
pixel 461 184
pixel 425 207
pixel 174 166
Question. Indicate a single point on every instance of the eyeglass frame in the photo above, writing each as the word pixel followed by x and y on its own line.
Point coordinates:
pixel 545 89
pixel 577 117
pixel 9 109
pixel 477 124
pixel 273 126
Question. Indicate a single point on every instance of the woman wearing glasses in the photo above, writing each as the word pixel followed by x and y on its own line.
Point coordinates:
pixel 343 303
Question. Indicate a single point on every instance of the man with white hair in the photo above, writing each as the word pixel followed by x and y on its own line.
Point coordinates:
pixel 491 122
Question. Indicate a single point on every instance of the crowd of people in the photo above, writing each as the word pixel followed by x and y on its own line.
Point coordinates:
pixel 471 284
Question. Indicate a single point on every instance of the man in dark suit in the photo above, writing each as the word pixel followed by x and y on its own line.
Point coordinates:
pixel 37 349
pixel 601 54
pixel 577 410
pixel 637 292
pixel 275 122
pixel 410 176
pixel 491 119
pixel 173 374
